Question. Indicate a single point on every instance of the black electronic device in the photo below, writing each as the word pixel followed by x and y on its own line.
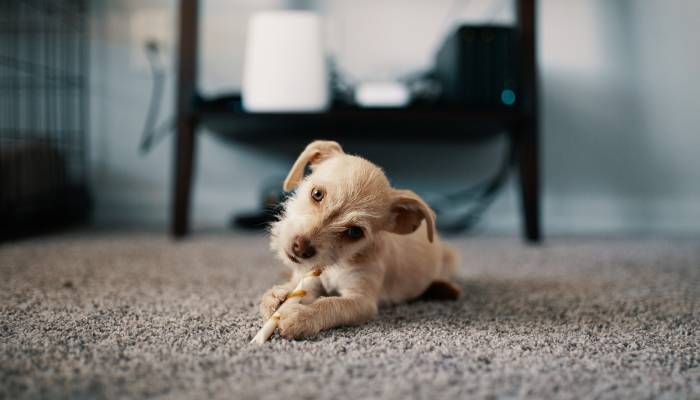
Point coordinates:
pixel 477 65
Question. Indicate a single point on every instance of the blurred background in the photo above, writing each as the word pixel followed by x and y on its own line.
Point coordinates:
pixel 125 124
pixel 618 111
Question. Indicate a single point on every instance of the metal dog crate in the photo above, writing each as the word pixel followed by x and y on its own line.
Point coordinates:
pixel 43 115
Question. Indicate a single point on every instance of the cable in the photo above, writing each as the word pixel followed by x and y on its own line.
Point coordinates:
pixel 482 195
pixel 152 134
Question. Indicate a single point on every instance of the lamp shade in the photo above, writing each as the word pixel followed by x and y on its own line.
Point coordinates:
pixel 285 66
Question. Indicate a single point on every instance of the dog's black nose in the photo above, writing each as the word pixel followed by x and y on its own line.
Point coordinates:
pixel 302 247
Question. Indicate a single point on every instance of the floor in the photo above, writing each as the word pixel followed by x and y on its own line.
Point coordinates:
pixel 134 315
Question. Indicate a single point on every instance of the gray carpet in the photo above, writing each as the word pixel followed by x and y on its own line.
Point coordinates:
pixel 135 316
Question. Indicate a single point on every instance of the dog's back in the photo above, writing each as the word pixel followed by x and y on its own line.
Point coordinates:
pixel 412 264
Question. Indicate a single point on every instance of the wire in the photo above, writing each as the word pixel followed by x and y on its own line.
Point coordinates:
pixel 481 195
pixel 153 134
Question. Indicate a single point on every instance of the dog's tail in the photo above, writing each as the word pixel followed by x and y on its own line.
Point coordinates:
pixel 450 260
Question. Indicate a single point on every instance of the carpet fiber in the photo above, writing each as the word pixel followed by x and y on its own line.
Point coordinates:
pixel 136 315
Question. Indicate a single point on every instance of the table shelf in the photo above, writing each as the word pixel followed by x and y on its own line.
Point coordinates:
pixel 225 116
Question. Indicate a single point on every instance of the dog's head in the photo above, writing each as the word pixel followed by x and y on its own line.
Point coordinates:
pixel 337 210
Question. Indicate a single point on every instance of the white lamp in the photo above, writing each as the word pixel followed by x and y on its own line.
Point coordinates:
pixel 285 65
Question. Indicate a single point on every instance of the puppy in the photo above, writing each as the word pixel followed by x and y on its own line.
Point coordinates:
pixel 377 244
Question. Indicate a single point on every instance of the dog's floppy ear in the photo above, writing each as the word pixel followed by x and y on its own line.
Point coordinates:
pixel 408 210
pixel 315 152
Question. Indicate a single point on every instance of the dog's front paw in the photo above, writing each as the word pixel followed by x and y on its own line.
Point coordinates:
pixel 297 321
pixel 271 300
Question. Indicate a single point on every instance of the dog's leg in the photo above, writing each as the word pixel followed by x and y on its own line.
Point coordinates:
pixel 327 312
pixel 442 290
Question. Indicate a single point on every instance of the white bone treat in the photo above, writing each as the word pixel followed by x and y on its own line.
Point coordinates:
pixel 307 290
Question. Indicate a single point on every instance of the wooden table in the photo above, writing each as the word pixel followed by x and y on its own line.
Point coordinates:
pixel 521 123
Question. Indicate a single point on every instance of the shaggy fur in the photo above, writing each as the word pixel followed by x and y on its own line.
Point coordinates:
pixel 377 244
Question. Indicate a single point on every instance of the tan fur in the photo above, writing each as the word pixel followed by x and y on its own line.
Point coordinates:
pixel 398 257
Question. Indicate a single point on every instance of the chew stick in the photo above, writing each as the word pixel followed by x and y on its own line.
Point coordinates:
pixel 306 291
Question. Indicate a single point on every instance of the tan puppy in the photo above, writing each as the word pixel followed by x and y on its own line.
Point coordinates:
pixel 378 244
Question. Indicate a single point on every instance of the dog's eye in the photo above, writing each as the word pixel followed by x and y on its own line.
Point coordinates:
pixel 317 194
pixel 354 232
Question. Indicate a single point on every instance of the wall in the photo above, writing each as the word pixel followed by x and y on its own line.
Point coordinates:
pixel 621 114
pixel 619 110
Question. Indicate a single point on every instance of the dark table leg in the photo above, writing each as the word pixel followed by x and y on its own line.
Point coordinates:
pixel 527 129
pixel 528 168
pixel 186 117
pixel 184 157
